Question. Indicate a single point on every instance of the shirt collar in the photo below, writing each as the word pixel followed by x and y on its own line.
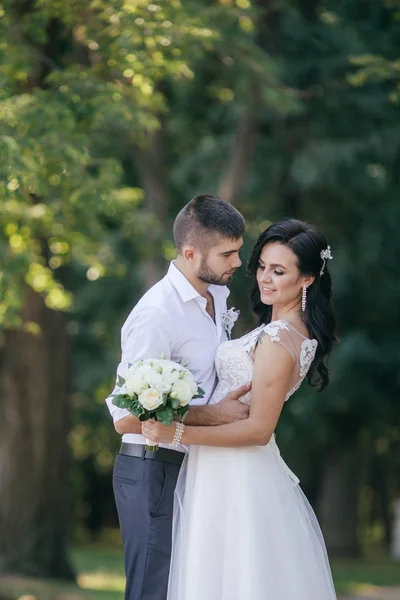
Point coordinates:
pixel 187 291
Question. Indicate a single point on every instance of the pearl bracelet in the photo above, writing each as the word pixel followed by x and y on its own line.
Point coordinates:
pixel 179 428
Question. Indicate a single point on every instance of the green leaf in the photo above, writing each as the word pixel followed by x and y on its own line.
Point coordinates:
pixel 122 401
pixel 182 412
pixel 165 416
pixel 175 403
pixel 200 393
pixel 120 381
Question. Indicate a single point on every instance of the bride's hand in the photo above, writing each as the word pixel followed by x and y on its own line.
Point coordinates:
pixel 157 432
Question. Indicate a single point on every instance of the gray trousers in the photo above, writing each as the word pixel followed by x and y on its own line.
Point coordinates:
pixel 144 494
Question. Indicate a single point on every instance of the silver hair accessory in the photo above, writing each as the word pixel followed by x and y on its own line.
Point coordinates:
pixel 304 299
pixel 325 255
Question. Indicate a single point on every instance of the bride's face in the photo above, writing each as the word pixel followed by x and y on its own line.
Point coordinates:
pixel 278 276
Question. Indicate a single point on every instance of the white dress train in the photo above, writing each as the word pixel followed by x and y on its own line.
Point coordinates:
pixel 243 529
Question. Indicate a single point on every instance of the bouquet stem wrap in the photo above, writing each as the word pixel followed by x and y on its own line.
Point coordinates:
pixel 151 446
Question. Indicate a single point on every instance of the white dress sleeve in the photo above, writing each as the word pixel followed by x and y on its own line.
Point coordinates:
pixel 280 332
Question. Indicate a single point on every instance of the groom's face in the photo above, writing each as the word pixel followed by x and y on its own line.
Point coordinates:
pixel 219 263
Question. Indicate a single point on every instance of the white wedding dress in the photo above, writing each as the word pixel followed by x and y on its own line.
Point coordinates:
pixel 243 529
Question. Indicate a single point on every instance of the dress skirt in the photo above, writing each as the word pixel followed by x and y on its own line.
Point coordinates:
pixel 243 530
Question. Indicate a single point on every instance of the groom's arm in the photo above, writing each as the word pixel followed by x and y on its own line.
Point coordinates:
pixel 229 410
pixel 146 334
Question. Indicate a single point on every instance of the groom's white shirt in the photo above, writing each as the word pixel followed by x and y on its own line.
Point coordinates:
pixel 171 318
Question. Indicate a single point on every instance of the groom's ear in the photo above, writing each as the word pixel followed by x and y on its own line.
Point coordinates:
pixel 189 253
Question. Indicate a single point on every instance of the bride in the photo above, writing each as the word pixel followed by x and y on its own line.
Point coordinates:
pixel 243 529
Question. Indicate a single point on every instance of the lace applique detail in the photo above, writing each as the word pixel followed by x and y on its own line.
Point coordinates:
pixel 307 355
pixel 274 328
pixel 234 360
pixel 293 390
pixel 249 340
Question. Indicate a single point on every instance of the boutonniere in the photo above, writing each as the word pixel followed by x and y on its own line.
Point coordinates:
pixel 229 318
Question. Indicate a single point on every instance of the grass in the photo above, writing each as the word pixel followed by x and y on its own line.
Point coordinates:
pixel 101 577
pixel 352 576
pixel 102 570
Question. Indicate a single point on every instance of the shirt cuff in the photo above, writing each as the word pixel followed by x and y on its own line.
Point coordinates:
pixel 119 413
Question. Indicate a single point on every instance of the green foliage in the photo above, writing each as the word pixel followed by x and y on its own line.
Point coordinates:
pixel 83 86
pixel 166 414
pixel 377 68
pixel 73 77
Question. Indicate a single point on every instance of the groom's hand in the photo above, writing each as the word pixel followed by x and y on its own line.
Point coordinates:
pixel 231 409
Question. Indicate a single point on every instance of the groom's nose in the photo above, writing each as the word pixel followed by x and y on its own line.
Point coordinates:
pixel 238 262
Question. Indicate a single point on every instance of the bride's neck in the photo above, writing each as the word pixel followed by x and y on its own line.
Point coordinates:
pixel 286 313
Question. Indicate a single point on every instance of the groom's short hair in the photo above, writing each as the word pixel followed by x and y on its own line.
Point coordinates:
pixel 204 219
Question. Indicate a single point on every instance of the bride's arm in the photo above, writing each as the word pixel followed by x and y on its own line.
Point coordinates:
pixel 273 370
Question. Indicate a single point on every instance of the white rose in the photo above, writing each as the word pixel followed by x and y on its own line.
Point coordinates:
pixel 145 370
pixel 134 383
pixel 138 368
pixel 170 377
pixel 153 379
pixel 169 365
pixel 150 399
pixel 191 382
pixel 182 390
pixel 147 364
pixel 157 381
pixel 164 386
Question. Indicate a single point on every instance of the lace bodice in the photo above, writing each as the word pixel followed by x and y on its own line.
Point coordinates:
pixel 234 359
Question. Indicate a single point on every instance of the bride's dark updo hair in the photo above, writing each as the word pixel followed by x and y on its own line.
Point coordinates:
pixel 307 242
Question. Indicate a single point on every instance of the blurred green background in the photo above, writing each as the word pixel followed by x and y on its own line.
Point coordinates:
pixel 113 114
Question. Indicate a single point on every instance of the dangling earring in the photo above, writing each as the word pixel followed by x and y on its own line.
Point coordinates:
pixel 304 299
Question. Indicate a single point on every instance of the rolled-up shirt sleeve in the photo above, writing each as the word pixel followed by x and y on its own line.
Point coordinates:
pixel 147 333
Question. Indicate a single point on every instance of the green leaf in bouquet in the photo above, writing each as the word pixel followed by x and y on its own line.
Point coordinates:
pixel 182 412
pixel 122 401
pixel 120 381
pixel 165 415
pixel 200 393
pixel 134 406
pixel 175 403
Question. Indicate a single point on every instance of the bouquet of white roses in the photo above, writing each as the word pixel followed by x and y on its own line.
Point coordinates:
pixel 157 389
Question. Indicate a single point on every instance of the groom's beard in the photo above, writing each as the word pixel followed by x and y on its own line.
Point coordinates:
pixel 209 276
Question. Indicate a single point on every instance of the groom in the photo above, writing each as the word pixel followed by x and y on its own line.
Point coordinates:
pixel 180 316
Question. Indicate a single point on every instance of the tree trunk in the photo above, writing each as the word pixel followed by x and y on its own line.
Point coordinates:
pixel 236 174
pixel 149 161
pixel 288 190
pixel 34 423
pixel 339 500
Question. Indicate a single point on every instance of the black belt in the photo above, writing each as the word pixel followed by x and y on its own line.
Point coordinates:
pixel 163 454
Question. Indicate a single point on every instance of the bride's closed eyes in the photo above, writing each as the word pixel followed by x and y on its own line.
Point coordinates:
pixel 262 267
